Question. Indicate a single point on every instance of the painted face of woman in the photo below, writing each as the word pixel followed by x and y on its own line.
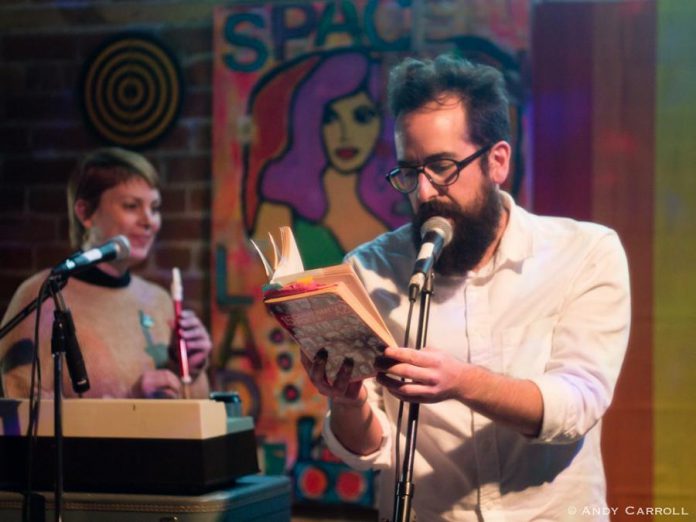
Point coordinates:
pixel 350 128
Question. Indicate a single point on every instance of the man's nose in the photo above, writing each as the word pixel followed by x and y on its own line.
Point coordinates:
pixel 425 190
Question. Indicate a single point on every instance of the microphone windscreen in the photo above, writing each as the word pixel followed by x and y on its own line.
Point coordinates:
pixel 122 246
pixel 439 225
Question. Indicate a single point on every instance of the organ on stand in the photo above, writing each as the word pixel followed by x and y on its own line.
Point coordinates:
pixel 130 445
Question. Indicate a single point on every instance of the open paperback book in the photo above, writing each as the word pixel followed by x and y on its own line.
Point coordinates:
pixel 325 308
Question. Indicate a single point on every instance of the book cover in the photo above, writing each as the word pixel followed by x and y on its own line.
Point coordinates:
pixel 325 308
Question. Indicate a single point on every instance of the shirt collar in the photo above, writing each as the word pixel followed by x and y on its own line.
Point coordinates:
pixel 94 276
pixel 517 243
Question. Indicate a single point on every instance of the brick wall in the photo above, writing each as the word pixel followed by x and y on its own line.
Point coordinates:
pixel 42 51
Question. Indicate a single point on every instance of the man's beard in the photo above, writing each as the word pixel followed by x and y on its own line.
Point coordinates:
pixel 474 229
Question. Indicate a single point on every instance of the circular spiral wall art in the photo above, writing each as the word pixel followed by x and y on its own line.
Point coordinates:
pixel 132 90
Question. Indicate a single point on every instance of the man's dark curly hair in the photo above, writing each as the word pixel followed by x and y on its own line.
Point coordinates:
pixel 481 88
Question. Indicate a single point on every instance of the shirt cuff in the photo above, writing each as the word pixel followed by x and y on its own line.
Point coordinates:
pixel 379 459
pixel 560 424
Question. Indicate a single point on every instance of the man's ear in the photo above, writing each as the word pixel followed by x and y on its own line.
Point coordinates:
pixel 83 212
pixel 499 162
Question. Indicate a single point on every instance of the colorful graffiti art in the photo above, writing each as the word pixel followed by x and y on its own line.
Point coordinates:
pixel 301 137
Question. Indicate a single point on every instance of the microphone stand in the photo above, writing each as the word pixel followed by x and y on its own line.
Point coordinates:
pixel 63 333
pixel 63 328
pixel 27 311
pixel 63 344
pixel 404 488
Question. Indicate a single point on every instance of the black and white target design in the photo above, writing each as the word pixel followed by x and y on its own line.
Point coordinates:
pixel 132 91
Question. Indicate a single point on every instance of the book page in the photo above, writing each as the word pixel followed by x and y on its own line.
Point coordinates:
pixel 326 308
pixel 290 261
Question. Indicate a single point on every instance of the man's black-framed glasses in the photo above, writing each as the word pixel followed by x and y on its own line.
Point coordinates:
pixel 440 172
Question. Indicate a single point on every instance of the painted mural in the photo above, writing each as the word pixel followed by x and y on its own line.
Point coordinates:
pixel 319 164
pixel 301 137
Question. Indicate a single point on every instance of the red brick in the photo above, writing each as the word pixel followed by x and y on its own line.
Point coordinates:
pixel 14 140
pixel 203 259
pixel 9 284
pixel 168 215
pixel 48 201
pixel 189 40
pixel 50 255
pixel 182 228
pixel 197 104
pixel 200 139
pixel 12 79
pixel 27 171
pixel 173 200
pixel 52 77
pixel 88 43
pixel 176 139
pixel 11 199
pixel 200 308
pixel 23 47
pixel 199 199
pixel 27 229
pixel 42 107
pixel 195 288
pixel 65 138
pixel 199 73
pixel 63 229
pixel 169 257
pixel 190 168
pixel 16 257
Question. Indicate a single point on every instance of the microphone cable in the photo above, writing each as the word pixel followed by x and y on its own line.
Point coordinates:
pixel 34 407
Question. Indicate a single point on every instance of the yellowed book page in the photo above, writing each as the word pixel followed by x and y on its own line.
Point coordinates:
pixel 290 261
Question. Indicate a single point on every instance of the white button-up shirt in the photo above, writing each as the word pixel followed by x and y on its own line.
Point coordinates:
pixel 552 306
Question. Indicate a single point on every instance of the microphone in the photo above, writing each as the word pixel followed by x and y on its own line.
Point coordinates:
pixel 436 233
pixel 73 355
pixel 117 247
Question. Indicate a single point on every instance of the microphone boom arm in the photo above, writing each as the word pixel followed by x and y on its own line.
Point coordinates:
pixel 29 309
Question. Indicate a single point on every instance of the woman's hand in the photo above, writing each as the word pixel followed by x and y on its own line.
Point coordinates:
pixel 158 384
pixel 198 343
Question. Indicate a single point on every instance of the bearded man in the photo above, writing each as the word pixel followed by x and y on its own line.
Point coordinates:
pixel 528 324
